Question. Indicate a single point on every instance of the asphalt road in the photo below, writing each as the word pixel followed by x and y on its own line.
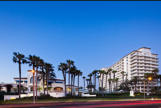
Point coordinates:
pixel 93 104
pixel 118 104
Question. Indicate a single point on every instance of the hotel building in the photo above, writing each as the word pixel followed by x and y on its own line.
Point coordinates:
pixel 136 63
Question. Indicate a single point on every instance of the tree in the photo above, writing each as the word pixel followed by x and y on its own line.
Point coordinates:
pixel 20 59
pixel 95 75
pixel 37 65
pixel 135 80
pixel 70 64
pixel 79 73
pixel 102 72
pixel 90 78
pixel 106 73
pixel 123 75
pixel 32 62
pixel 155 75
pixel 109 72
pixel 49 74
pixel 84 79
pixel 114 73
pixel 125 86
pixel 9 86
pixel 109 81
pixel 98 77
pixel 63 67
pixel 116 80
pixel 73 73
pixel 42 72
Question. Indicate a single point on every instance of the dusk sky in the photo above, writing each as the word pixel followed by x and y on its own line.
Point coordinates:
pixel 93 34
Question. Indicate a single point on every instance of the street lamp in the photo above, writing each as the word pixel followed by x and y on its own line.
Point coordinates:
pixel 149 79
pixel 33 71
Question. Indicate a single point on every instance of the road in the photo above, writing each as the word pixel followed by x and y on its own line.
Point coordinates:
pixel 96 104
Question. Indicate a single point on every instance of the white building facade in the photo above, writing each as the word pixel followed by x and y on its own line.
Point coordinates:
pixel 136 63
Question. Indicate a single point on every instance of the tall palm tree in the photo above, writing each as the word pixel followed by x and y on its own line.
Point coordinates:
pixel 116 80
pixel 63 67
pixel 48 69
pixel 123 75
pixel 135 81
pixel 155 75
pixel 20 59
pixel 73 72
pixel 114 74
pixel 95 75
pixel 102 73
pixel 110 80
pixel 32 62
pixel 106 73
pixel 42 65
pixel 70 64
pixel 84 78
pixel 98 77
pixel 79 73
pixel 37 65
pixel 90 78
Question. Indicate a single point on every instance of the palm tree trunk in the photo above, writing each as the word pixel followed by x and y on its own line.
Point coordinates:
pixel 19 90
pixel 36 81
pixel 47 82
pixel 65 82
pixel 109 86
pixel 71 84
pixel 106 81
pixel 95 82
pixel 78 84
pixel 43 83
pixel 102 80
pixel 65 85
pixel 84 84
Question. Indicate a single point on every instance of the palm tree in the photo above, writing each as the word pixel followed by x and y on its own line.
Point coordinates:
pixel 73 72
pixel 32 62
pixel 49 74
pixel 102 72
pixel 109 72
pixel 135 81
pixel 106 73
pixel 37 65
pixel 20 59
pixel 87 80
pixel 63 67
pixel 98 77
pixel 42 64
pixel 70 64
pixel 79 73
pixel 123 75
pixel 114 73
pixel 109 81
pixel 155 75
pixel 95 75
pixel 116 80
pixel 84 78
pixel 90 78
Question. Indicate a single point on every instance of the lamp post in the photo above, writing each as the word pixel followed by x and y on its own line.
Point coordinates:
pixel 33 71
pixel 149 79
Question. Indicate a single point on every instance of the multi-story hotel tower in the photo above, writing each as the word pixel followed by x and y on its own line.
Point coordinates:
pixel 136 63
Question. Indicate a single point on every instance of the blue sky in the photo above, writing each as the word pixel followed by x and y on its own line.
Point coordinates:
pixel 93 34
